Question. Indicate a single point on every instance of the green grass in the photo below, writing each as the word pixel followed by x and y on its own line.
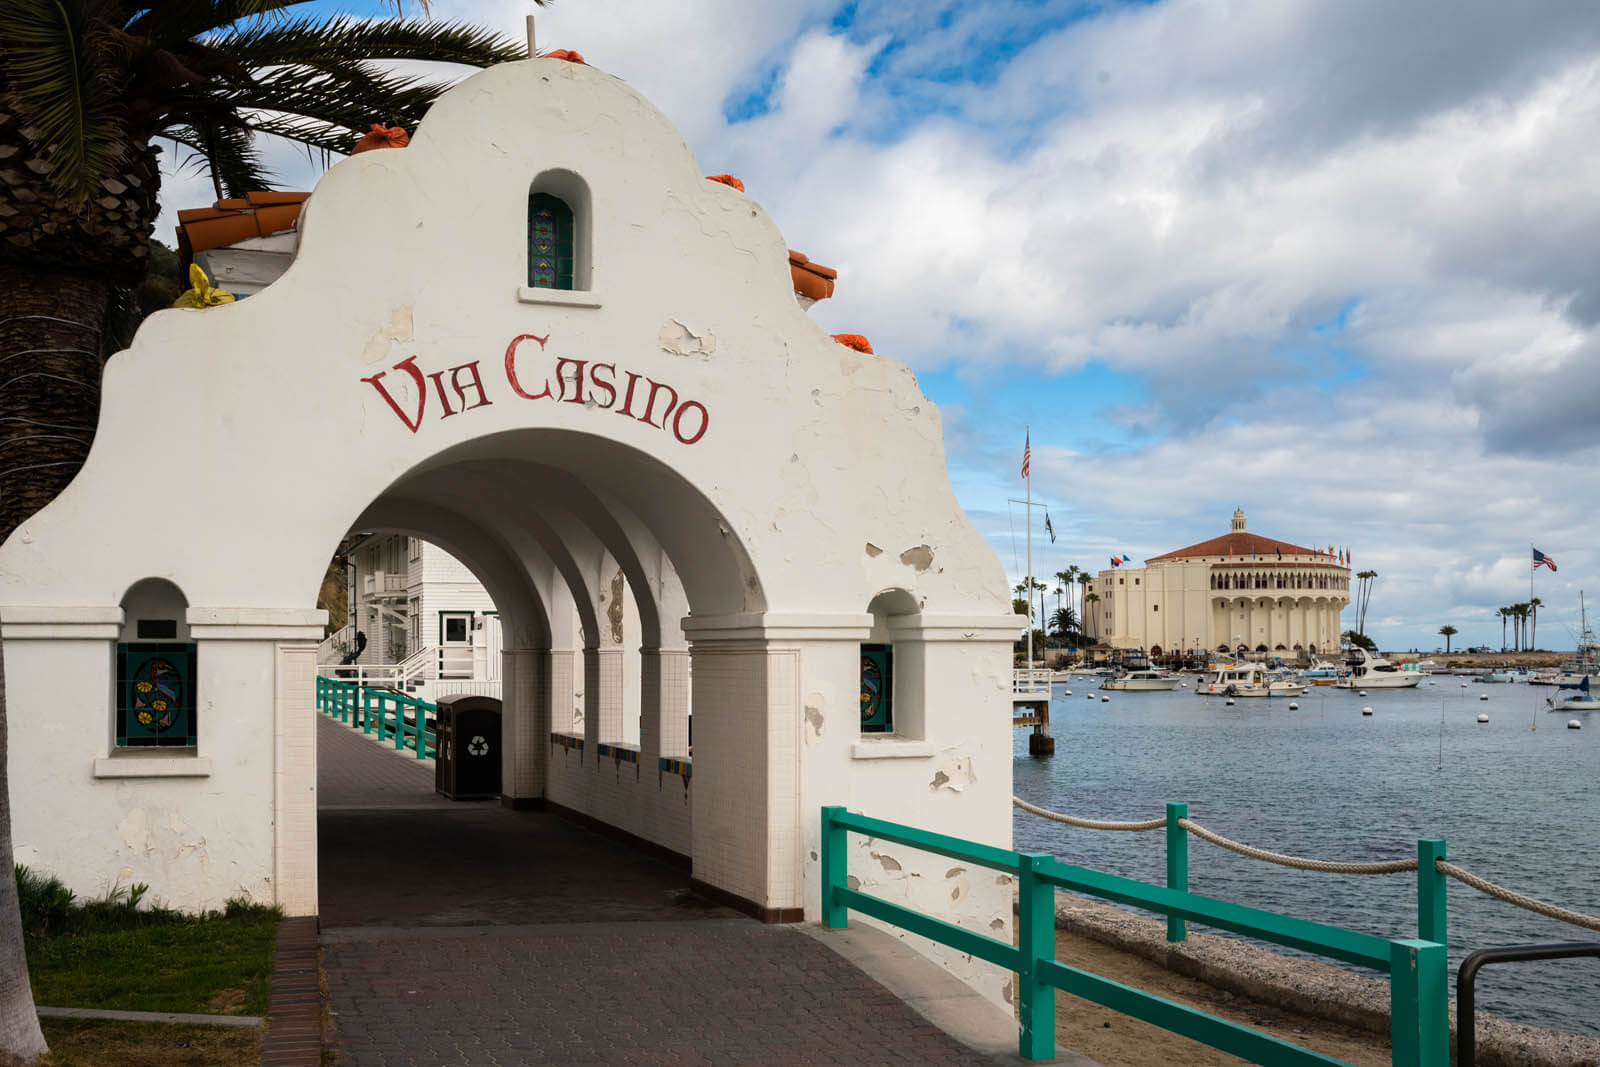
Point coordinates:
pixel 114 954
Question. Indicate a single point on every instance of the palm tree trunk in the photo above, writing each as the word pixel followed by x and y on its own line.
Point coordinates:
pixel 21 1041
pixel 50 377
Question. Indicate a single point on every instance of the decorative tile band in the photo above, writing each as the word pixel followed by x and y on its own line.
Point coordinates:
pixel 676 766
pixel 567 741
pixel 619 753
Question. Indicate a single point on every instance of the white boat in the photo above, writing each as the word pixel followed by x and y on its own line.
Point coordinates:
pixel 1427 666
pixel 1322 672
pixel 1141 681
pixel 1574 698
pixel 1366 671
pixel 1506 674
pixel 1248 680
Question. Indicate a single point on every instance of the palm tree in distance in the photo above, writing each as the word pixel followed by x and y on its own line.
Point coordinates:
pixel 1064 623
pixel 87 88
pixel 1533 630
pixel 1084 578
pixel 1503 616
pixel 1363 596
pixel 1447 632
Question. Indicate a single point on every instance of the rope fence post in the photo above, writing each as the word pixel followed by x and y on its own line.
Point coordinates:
pixel 1430 891
pixel 1419 1019
pixel 1036 937
pixel 1177 865
pixel 835 860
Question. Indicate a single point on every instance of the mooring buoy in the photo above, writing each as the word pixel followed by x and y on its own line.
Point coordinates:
pixel 1367 710
pixel 1293 706
pixel 1362 693
pixel 1483 696
pixel 1483 718
pixel 1574 724
pixel 1105 700
pixel 1229 702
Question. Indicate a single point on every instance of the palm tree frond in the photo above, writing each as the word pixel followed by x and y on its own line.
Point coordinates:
pixel 342 38
pixel 57 62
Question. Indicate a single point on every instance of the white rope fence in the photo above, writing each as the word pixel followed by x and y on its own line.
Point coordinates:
pixel 1088 824
pixel 1465 877
pixel 1511 896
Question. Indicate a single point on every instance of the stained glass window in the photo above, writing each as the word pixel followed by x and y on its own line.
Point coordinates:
pixel 550 243
pixel 155 695
pixel 877 689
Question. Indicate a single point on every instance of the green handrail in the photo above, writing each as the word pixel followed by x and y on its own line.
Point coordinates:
pixel 1419 1023
pixel 368 709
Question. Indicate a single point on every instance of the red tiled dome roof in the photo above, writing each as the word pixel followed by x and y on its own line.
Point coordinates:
pixel 1240 543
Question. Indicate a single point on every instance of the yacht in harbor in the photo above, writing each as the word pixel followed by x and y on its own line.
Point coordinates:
pixel 1248 680
pixel 1366 671
pixel 1143 680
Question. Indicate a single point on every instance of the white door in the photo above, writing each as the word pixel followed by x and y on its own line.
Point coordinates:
pixel 455 644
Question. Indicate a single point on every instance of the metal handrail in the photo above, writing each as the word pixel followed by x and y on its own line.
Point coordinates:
pixel 1418 1021
pixel 1467 978
pixel 1028 681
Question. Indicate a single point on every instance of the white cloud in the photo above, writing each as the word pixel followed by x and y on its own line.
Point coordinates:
pixel 1348 253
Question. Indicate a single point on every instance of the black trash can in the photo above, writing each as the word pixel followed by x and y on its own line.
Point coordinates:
pixel 468 732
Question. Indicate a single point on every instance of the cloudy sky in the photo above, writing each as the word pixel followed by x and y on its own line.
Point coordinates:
pixel 1336 263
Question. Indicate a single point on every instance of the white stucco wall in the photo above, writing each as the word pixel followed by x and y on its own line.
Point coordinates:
pixel 797 481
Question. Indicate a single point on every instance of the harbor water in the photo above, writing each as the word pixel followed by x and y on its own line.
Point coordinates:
pixel 1516 799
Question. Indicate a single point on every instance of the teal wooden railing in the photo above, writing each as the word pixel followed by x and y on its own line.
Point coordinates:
pixel 380 710
pixel 1418 994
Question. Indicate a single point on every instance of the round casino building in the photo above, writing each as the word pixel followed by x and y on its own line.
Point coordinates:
pixel 1237 592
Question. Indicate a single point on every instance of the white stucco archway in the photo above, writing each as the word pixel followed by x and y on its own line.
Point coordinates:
pixel 402 375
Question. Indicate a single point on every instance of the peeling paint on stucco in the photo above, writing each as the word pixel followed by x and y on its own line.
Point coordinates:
pixel 953 774
pixel 814 718
pixel 919 558
pixel 873 550
pixel 889 862
pixel 680 340
pixel 134 829
pixel 398 328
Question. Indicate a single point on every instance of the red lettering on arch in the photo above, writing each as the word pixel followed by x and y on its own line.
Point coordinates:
pixel 511 366
pixel 409 365
pixel 677 422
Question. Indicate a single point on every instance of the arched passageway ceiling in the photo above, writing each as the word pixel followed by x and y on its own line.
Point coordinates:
pixel 524 608
pixel 572 510
pixel 491 496
pixel 716 571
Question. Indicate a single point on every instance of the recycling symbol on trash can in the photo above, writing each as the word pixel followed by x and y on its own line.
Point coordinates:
pixel 478 746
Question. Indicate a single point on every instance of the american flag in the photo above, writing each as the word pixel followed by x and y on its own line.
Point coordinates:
pixel 1542 560
pixel 1027 453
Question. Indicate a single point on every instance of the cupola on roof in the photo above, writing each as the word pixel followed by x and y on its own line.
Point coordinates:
pixel 1239 542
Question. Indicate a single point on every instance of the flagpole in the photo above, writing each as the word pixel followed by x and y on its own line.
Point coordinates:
pixel 1028 446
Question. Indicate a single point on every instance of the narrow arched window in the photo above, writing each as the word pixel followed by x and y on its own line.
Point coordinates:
pixel 550 242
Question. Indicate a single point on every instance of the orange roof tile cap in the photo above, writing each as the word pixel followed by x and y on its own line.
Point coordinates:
pixel 726 179
pixel 855 341
pixel 565 53
pixel 382 136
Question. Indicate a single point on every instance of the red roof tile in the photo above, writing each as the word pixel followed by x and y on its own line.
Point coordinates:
pixel 1238 543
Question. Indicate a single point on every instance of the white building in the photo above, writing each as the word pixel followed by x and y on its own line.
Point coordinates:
pixel 1237 592
pixel 648 400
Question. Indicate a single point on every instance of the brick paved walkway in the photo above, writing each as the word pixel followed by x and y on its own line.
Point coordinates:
pixel 464 933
